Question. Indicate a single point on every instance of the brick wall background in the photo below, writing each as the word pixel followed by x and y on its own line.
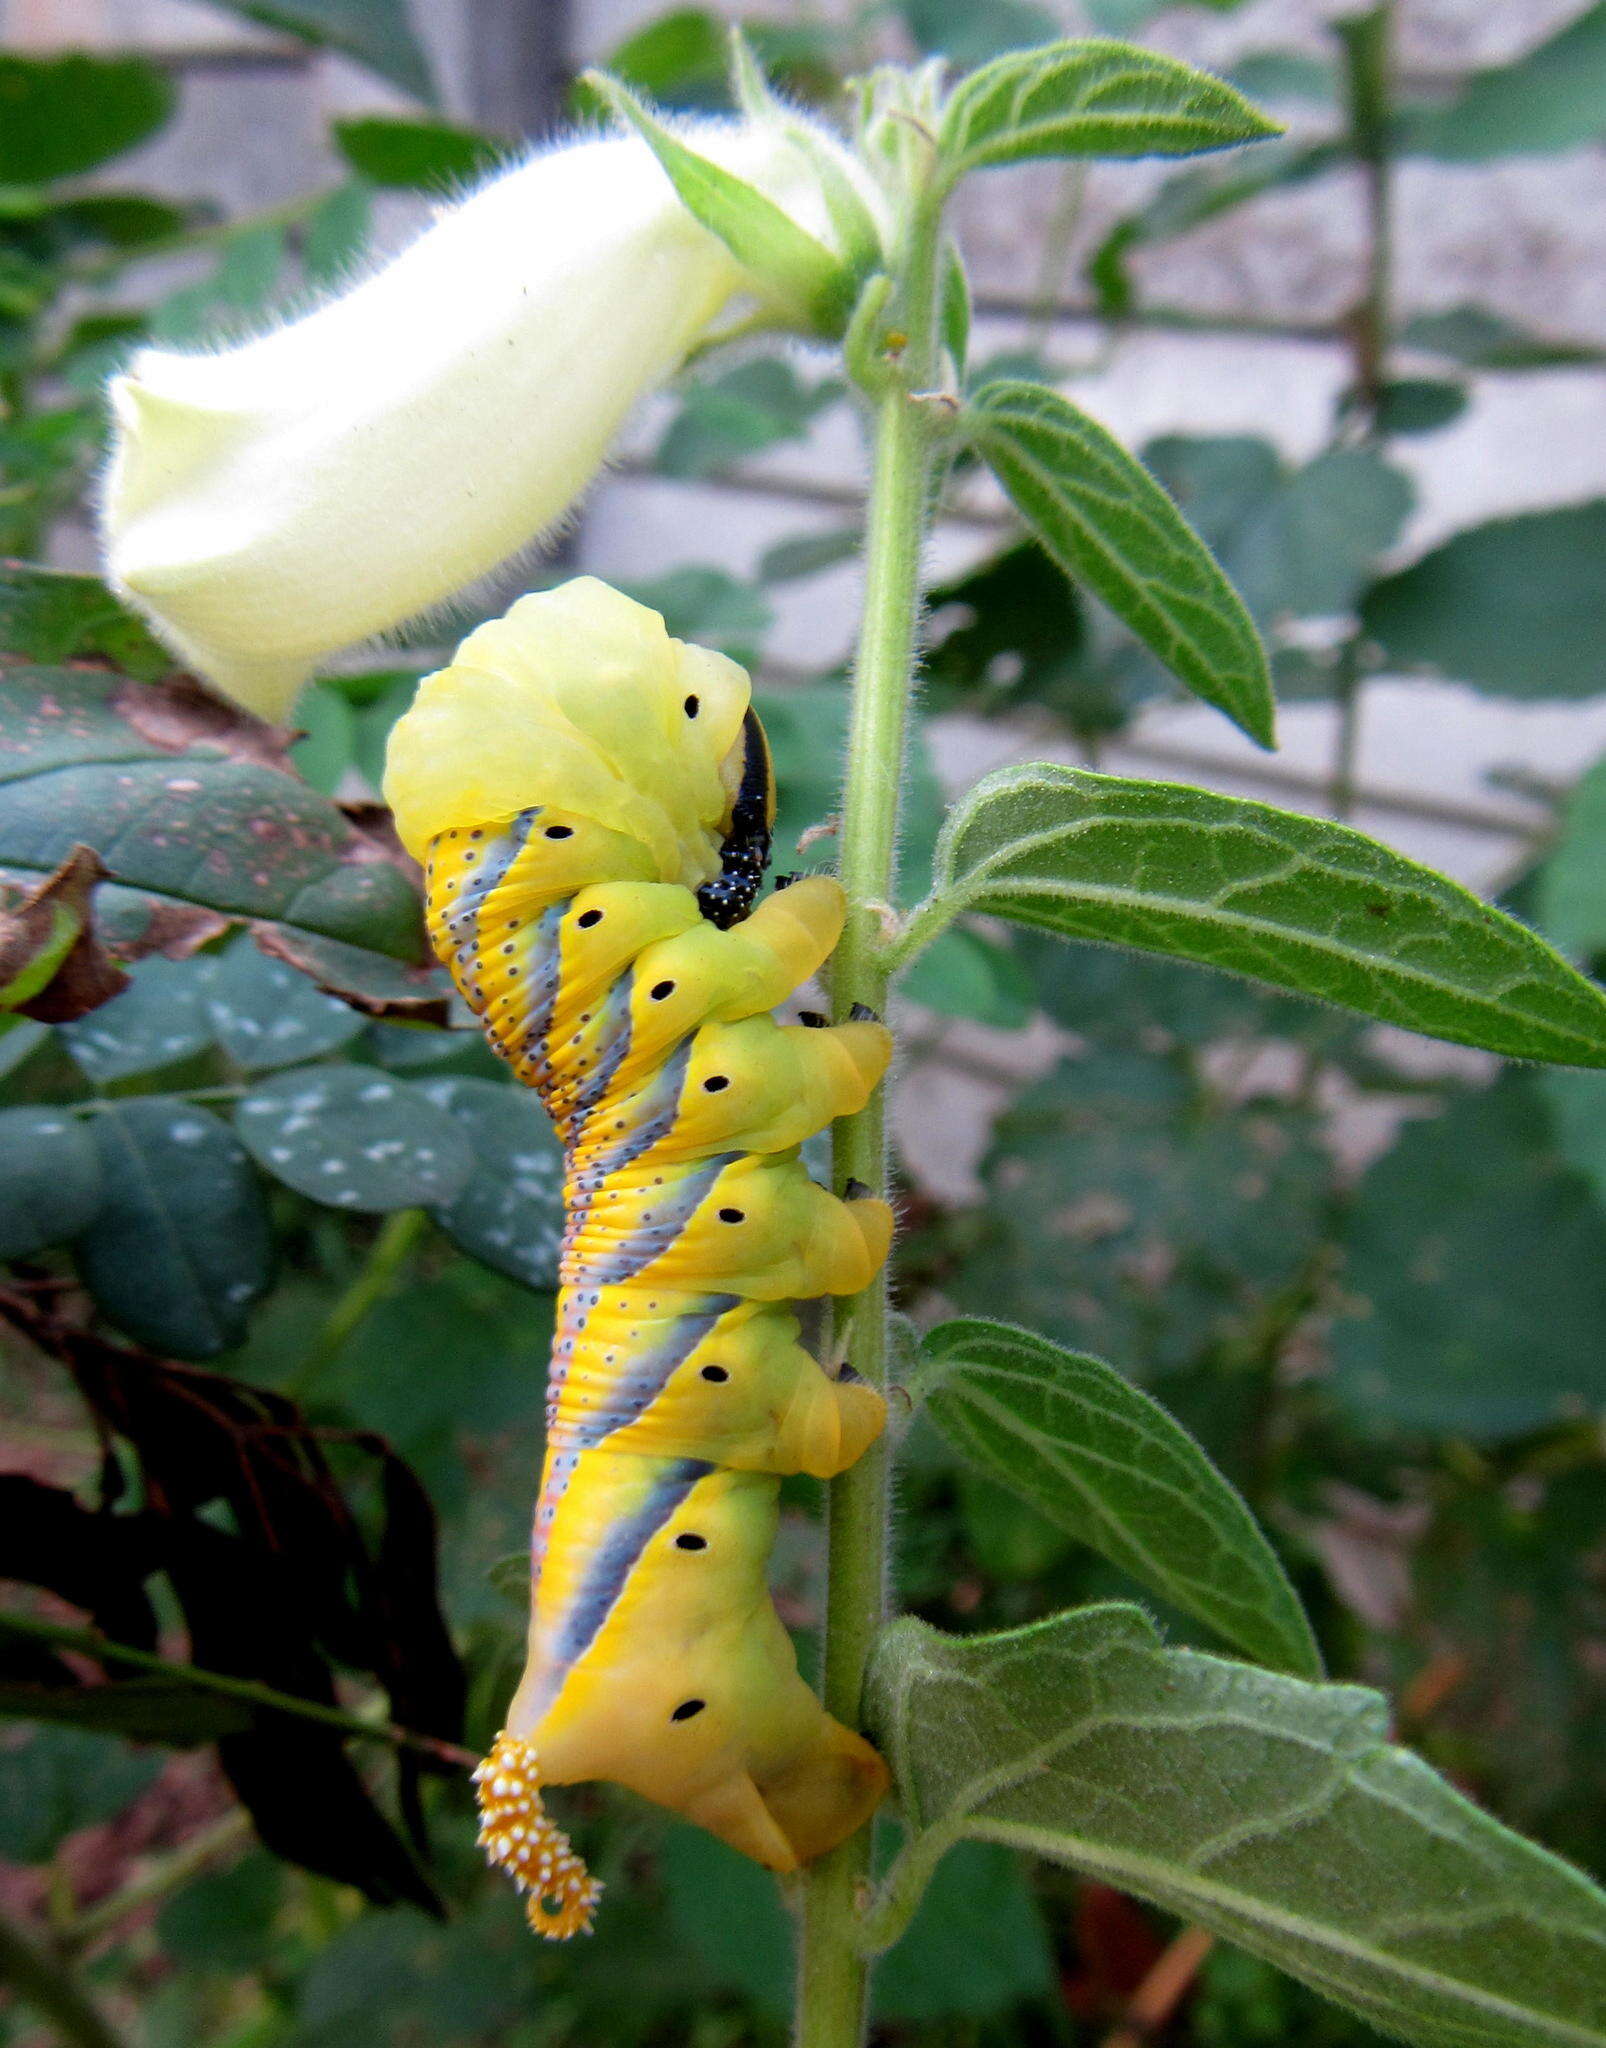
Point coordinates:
pixel 1440 768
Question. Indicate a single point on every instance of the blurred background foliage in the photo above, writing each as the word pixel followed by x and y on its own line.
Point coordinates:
pixel 280 1249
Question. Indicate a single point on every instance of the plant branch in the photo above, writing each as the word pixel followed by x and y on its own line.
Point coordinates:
pixel 289 213
pixel 163 1874
pixel 45 1983
pixel 1163 1989
pixel 1367 41
pixel 397 1238
pixel 91 1644
pixel 833 1974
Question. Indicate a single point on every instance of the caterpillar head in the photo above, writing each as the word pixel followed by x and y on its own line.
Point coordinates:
pixel 578 700
pixel 749 777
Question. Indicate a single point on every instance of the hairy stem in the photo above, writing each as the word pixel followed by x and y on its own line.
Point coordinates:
pixel 832 1978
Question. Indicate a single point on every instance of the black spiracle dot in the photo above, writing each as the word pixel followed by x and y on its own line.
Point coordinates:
pixel 692 706
pixel 660 989
pixel 716 1082
pixel 687 1709
pixel 691 1542
pixel 559 832
pixel 732 1216
pixel 716 1373
pixel 588 918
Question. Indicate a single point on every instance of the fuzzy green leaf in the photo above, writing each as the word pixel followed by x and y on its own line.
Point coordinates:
pixel 1103 1461
pixel 786 262
pixel 1273 1812
pixel 1299 903
pixel 1091 98
pixel 1105 520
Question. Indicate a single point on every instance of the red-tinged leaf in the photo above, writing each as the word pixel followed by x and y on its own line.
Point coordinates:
pixel 52 965
pixel 199 822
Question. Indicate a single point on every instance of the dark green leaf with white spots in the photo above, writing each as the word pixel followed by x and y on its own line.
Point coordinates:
pixel 356 1138
pixel 264 1014
pixel 158 1019
pixel 198 822
pixel 509 1212
pixel 49 1179
pixel 180 1247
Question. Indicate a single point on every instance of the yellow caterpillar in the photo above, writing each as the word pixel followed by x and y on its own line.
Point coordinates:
pixel 592 803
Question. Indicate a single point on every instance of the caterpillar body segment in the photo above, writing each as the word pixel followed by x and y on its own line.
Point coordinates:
pixel 594 900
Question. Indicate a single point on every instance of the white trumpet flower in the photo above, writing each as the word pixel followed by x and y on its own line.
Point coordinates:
pixel 273 502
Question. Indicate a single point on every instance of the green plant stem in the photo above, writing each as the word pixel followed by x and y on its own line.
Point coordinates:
pixel 44 1982
pixel 98 1646
pixel 833 1974
pixel 1347 733
pixel 164 1874
pixel 387 1255
pixel 289 213
pixel 1368 53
